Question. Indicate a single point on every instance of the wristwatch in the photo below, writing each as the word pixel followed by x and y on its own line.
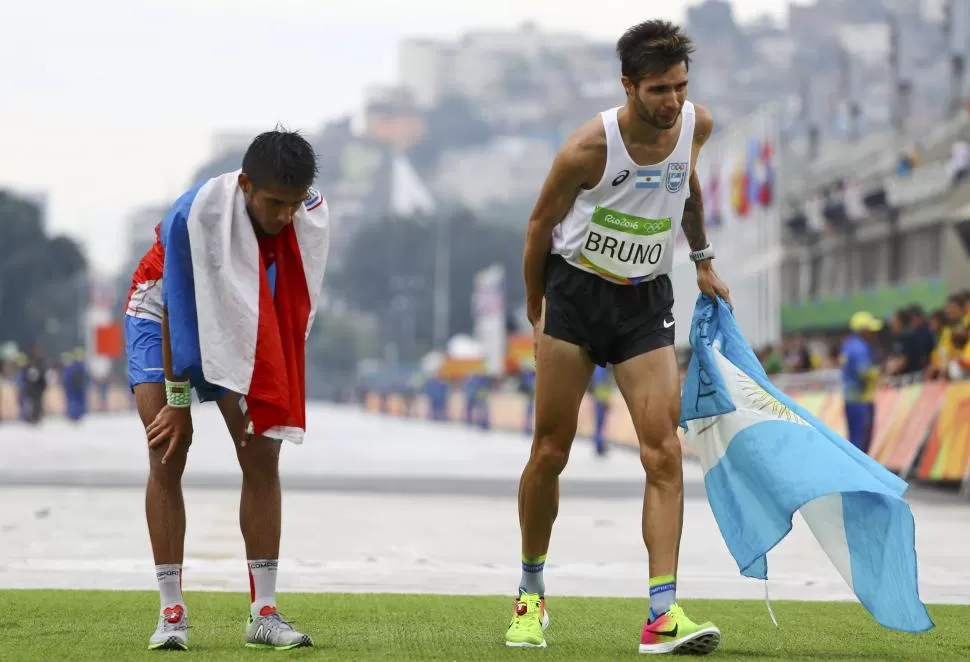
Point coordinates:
pixel 706 253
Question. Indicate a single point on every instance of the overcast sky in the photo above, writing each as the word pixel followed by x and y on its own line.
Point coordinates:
pixel 111 104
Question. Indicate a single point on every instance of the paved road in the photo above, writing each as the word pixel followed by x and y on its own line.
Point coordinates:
pixel 376 504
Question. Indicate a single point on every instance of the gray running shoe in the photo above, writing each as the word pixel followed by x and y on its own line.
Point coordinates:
pixel 172 633
pixel 271 630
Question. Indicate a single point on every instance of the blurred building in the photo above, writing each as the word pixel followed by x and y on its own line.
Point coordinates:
pixel 857 84
pixel 876 225
pixel 506 171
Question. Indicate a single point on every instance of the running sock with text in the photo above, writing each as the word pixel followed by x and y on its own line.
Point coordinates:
pixel 262 586
pixel 532 581
pixel 663 594
pixel 169 578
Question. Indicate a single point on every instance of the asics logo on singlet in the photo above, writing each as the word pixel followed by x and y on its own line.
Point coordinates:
pixel 621 177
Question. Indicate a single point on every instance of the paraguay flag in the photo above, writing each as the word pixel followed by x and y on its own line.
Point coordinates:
pixel 765 458
pixel 234 324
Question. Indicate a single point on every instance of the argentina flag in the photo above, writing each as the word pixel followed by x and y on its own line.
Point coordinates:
pixel 765 457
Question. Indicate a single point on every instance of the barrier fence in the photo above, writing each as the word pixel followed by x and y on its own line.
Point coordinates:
pixel 921 430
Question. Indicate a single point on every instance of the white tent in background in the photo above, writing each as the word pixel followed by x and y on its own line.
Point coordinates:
pixel 464 347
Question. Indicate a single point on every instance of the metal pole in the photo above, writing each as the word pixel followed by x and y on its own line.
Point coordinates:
pixel 442 268
pixel 895 114
pixel 957 67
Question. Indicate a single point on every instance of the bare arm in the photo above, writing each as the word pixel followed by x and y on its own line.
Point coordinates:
pixel 571 171
pixel 167 351
pixel 693 221
pixel 172 426
pixel 708 282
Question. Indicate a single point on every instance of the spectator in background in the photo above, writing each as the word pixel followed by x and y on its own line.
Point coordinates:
pixel 954 317
pixel 528 387
pixel 771 360
pixel 936 323
pixel 20 382
pixel 909 160
pixel 900 343
pixel 958 362
pixel 912 343
pixel 924 340
pixel 75 381
pixel 602 392
pixel 860 374
pixel 835 352
pixel 797 356
pixel 437 391
pixel 904 167
pixel 35 384
pixel 959 159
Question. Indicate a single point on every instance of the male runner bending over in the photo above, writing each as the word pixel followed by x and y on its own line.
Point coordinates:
pixel 597 253
pixel 261 202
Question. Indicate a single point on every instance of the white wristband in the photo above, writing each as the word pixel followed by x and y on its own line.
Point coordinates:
pixel 706 253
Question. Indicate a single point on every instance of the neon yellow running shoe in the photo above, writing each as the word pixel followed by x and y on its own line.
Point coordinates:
pixel 673 632
pixel 528 622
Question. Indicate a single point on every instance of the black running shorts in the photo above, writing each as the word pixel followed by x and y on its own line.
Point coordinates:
pixel 612 322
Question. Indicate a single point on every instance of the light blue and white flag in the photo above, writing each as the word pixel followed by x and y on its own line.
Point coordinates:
pixel 765 457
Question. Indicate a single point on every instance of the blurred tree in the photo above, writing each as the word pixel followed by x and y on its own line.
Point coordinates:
pixel 338 341
pixel 393 260
pixel 43 283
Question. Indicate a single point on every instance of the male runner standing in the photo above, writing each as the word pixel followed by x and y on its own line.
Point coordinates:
pixel 597 253
pixel 268 209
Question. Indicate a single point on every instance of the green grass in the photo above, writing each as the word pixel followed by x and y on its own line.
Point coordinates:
pixel 115 625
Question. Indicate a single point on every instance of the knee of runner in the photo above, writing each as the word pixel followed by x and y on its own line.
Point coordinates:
pixel 550 455
pixel 661 456
pixel 260 461
pixel 172 470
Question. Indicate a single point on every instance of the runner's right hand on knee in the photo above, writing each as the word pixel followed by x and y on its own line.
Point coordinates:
pixel 172 425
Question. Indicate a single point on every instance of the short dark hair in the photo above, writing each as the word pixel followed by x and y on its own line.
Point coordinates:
pixel 280 158
pixel 653 47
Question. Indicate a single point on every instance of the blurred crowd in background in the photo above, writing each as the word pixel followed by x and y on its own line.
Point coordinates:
pixel 914 343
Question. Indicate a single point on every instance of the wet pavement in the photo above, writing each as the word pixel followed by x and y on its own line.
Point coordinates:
pixel 385 504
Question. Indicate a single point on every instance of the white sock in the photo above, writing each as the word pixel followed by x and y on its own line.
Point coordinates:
pixel 262 584
pixel 170 584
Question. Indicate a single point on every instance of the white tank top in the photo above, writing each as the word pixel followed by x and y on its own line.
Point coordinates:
pixel 623 229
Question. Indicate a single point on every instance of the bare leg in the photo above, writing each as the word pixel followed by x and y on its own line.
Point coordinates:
pixel 260 505
pixel 164 507
pixel 563 371
pixel 650 385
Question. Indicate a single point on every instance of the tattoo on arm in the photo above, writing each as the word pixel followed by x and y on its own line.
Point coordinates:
pixel 693 221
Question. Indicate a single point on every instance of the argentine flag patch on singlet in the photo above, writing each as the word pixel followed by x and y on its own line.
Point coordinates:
pixel 649 177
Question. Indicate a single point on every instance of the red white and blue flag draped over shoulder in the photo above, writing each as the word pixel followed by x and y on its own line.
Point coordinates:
pixel 765 458
pixel 232 325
